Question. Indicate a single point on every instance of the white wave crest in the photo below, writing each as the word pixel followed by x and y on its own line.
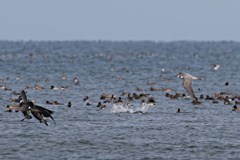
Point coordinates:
pixel 123 108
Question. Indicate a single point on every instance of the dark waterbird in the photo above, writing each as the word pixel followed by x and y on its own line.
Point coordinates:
pixel 24 105
pixel 27 107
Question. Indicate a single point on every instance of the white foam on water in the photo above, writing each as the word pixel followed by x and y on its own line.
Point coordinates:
pixel 123 108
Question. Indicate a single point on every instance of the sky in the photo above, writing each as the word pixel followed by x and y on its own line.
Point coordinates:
pixel 120 20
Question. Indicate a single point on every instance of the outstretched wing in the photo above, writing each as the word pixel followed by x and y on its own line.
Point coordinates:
pixel 38 116
pixel 187 84
pixel 24 96
pixel 43 111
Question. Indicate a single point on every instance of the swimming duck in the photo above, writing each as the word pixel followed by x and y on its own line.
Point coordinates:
pixel 150 83
pixel 88 104
pixel 235 96
pixel 180 95
pixel 124 94
pixel 86 98
pixel 147 103
pixel 179 110
pixel 196 102
pixel 154 89
pixel 64 77
pixel 57 103
pixel 103 96
pixel 64 87
pixel 216 66
pixel 99 104
pixel 29 87
pixel 151 99
pixel 201 96
pixel 166 90
pixel 17 78
pixel 113 99
pixel 214 101
pixel 208 98
pixel 7 89
pixel 237 102
pixel 119 100
pixel 235 108
pixel 121 78
pixel 76 81
pixel 54 87
pixel 107 101
pixel 166 79
pixel 227 84
pixel 69 104
pixel 228 100
pixel 135 96
pixel 167 95
pixel 173 97
pixel 38 87
pixel 139 89
pixel 48 102
pixel 129 97
pixel 103 107
pixel 9 108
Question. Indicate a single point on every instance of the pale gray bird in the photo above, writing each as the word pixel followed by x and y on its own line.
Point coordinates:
pixel 187 82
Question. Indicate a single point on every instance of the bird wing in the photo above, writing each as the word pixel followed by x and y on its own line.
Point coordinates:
pixel 24 96
pixel 42 111
pixel 187 84
pixel 46 112
pixel 38 116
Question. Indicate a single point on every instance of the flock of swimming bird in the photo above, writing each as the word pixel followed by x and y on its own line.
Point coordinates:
pixel 28 107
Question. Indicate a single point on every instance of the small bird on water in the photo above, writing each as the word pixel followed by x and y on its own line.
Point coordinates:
pixel 76 81
pixel 187 82
pixel 179 110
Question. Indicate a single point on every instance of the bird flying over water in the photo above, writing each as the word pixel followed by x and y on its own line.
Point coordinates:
pixel 27 107
pixel 187 82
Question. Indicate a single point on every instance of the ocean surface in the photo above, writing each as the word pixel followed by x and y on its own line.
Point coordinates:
pixel 139 131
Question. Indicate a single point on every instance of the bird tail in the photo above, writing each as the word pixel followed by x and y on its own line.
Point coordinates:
pixel 43 121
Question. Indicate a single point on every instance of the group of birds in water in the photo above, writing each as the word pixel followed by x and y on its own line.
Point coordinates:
pixel 28 108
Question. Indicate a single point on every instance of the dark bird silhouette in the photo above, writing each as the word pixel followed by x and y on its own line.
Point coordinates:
pixel 99 104
pixel 179 110
pixel 86 98
pixel 70 104
pixel 40 112
pixel 23 107
pixel 235 108
pixel 187 82
pixel 27 107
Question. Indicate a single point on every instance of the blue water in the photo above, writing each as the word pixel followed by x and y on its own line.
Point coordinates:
pixel 208 131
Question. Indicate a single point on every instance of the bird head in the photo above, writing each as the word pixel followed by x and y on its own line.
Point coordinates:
pixel 179 75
